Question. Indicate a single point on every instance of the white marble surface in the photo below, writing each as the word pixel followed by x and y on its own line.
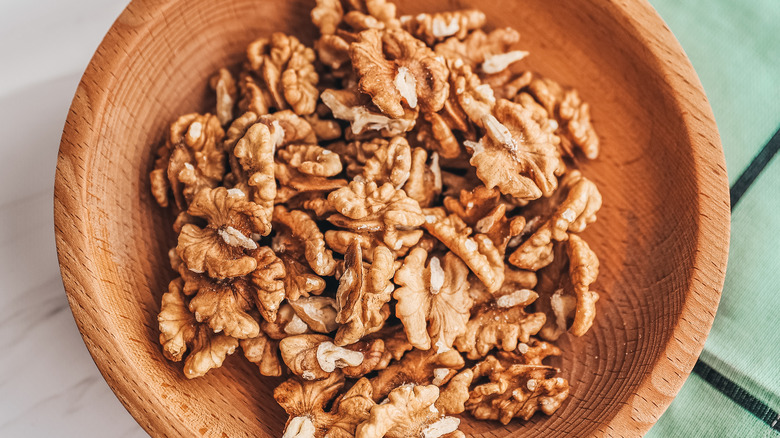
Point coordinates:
pixel 49 386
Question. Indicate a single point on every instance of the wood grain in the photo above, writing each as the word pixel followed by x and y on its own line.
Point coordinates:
pixel 662 234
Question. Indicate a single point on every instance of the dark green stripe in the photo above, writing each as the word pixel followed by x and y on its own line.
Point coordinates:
pixel 738 394
pixel 754 169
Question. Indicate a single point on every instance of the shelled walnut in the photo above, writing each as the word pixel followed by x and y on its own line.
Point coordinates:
pixel 394 211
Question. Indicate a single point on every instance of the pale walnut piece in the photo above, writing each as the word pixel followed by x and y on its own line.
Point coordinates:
pixel 355 108
pixel 227 94
pixel 564 289
pixel 515 391
pixel 363 294
pixel 439 26
pixel 477 251
pixel 319 313
pixel 517 155
pixel 571 113
pixel 303 228
pixel 492 53
pixel 190 160
pixel 285 67
pixel 350 409
pixel 300 280
pixel 433 300
pixel 421 367
pixel 390 163
pixel 308 398
pixel 452 398
pixel 494 326
pixel 311 159
pixel 327 15
pixel 263 352
pixel 255 152
pixel 366 207
pixel 424 183
pixel 394 67
pixel 222 247
pixel 484 210
pixel 574 213
pixel 408 412
pixel 287 323
pixel 179 331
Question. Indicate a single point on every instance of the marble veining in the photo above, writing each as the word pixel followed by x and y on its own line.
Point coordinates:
pixel 49 385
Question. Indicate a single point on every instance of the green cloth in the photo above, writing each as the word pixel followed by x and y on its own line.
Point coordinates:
pixel 735 388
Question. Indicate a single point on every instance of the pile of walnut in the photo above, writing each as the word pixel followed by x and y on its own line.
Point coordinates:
pixel 396 205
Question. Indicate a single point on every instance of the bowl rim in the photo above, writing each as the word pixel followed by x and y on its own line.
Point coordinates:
pixel 666 375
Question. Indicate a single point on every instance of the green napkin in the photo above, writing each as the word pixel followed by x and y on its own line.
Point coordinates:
pixel 734 390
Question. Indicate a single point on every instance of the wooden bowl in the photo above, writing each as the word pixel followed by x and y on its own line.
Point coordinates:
pixel 662 234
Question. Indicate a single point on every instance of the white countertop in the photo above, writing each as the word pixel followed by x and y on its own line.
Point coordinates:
pixel 49 386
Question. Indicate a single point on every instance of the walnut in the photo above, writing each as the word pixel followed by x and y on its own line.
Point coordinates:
pixel 514 280
pixel 288 75
pixel 433 300
pixel 350 409
pixel 517 390
pixel 300 280
pixel 227 94
pixel 571 113
pixel 327 15
pixel 484 210
pixel 393 67
pixel 532 353
pixel 354 108
pixel 287 323
pixel 255 152
pixel 501 324
pixel 363 294
pixel 179 330
pixel 564 287
pixel 319 313
pixel 263 352
pixel 492 53
pixel 305 401
pixel 190 160
pixel 526 152
pixel 478 251
pixel 311 159
pixel 421 367
pixel 366 207
pixel 408 412
pixel 575 212
pixel 395 344
pixel 453 397
pixel 324 129
pixel 303 228
pixel 222 247
pixel 390 162
pixel 434 131
pixel 424 183
pixel 436 27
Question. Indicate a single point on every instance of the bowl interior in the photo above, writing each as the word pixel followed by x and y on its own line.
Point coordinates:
pixel 154 65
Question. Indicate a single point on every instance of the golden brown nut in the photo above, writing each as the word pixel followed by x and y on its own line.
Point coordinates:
pixel 263 352
pixel 363 294
pixel 390 162
pixel 515 391
pixel 255 152
pixel 436 27
pixel 394 67
pixel 516 155
pixel 452 399
pixel 478 251
pixel 222 247
pixel 433 301
pixel 311 159
pixel 421 367
pixel 571 113
pixel 327 15
pixel 287 73
pixel 514 280
pixel 408 412
pixel 351 106
pixel 424 184
pixel 319 313
pixel 564 288
pixel 227 94
pixel 574 213
pixel 501 324
pixel 350 409
pixel 303 228
pixel 179 330
pixel 287 323
pixel 492 53
pixel 305 401
pixel 190 160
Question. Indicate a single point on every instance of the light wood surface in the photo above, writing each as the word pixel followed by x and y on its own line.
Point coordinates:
pixel 662 234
